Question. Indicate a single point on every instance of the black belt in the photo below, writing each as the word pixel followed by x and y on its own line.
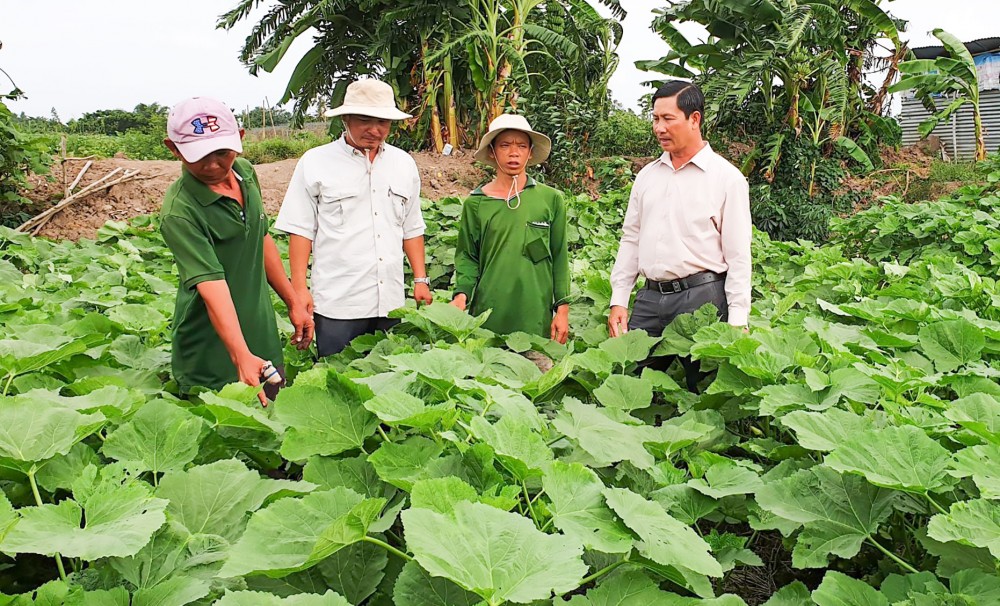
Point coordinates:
pixel 669 287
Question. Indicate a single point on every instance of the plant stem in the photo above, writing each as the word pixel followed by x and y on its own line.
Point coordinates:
pixel 601 572
pixel 935 503
pixel 527 499
pixel 38 502
pixel 893 556
pixel 382 433
pixel 388 548
pixel 10 379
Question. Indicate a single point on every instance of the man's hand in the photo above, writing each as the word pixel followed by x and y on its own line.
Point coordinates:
pixel 617 321
pixel 560 325
pixel 249 367
pixel 422 294
pixel 459 301
pixel 300 314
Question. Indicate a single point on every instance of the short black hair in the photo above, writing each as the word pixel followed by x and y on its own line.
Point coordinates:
pixel 689 97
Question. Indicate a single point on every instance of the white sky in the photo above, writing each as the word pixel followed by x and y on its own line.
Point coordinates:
pixel 101 54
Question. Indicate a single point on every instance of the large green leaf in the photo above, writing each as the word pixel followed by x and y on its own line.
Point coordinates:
pixel 403 463
pixel 355 571
pixel 230 410
pixel 518 448
pixel 726 479
pixel 982 463
pixel 107 517
pixel 498 555
pixel 395 407
pixel 631 588
pixel 176 591
pixel 578 508
pixel 904 458
pixel 838 511
pixel 604 438
pixel 665 540
pixel 32 433
pixel 979 413
pixel 324 421
pixel 160 437
pixel 355 473
pixel 826 430
pixel 838 589
pixel 625 393
pixel 216 498
pixel 974 523
pixel 416 587
pixel 296 533
pixel 633 346
pixel 260 598
pixel 952 343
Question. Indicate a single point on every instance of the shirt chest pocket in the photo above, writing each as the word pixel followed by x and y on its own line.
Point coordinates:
pixel 335 202
pixel 398 199
pixel 536 241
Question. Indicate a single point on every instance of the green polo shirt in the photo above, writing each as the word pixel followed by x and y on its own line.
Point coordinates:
pixel 213 238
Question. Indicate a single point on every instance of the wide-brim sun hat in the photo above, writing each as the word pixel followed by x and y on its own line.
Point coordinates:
pixel 540 144
pixel 369 97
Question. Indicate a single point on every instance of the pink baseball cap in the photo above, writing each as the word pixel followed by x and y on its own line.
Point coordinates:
pixel 202 125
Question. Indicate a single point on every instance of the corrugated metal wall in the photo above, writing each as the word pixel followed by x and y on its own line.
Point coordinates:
pixel 958 133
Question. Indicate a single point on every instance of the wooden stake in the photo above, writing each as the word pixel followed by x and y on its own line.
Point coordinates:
pixel 76 181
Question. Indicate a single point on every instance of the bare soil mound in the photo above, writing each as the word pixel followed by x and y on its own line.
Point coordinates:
pixel 440 176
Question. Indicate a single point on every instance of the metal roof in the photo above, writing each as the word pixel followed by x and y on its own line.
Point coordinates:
pixel 976 47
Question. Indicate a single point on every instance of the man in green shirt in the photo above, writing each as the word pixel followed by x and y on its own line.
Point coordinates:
pixel 213 221
pixel 512 254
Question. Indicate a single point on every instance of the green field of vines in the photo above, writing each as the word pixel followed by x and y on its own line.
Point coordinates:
pixel 843 451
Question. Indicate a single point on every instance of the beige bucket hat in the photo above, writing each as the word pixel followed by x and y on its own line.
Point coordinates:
pixel 540 144
pixel 369 97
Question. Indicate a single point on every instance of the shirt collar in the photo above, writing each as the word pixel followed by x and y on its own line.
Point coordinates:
pixel 479 190
pixel 700 159
pixel 353 151
pixel 200 192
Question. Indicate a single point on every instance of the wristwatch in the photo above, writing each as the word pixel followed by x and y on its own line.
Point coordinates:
pixel 426 281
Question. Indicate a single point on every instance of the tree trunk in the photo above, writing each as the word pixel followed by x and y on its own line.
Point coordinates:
pixel 448 101
pixel 977 119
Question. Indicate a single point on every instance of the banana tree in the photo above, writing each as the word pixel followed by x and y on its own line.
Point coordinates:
pixel 953 75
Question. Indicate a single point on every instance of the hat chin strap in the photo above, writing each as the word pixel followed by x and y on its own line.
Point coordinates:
pixel 512 192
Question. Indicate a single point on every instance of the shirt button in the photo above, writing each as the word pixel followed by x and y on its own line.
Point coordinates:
pixel 376 213
pixel 380 258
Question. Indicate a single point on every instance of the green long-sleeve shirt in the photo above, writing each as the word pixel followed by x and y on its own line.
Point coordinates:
pixel 514 261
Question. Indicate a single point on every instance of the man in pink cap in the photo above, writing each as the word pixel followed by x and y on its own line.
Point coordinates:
pixel 213 220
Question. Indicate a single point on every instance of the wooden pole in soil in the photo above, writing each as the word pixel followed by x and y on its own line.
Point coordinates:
pixel 62 150
pixel 78 177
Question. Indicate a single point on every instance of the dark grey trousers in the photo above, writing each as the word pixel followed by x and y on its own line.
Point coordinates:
pixel 332 336
pixel 652 312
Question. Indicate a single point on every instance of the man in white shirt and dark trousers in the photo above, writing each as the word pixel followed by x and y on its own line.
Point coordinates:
pixel 687 229
pixel 354 204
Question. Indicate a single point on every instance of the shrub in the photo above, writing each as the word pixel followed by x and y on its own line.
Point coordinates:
pixel 623 133
pixel 20 154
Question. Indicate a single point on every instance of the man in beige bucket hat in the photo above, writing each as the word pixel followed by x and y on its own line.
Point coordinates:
pixel 354 205
pixel 512 253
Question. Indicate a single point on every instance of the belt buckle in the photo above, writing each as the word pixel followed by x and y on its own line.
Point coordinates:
pixel 676 286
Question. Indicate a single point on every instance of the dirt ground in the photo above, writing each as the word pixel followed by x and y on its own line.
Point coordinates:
pixel 440 177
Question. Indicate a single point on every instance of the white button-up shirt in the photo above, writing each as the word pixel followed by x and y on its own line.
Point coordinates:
pixel 684 221
pixel 357 213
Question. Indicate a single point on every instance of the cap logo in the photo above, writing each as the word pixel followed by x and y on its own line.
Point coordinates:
pixel 210 123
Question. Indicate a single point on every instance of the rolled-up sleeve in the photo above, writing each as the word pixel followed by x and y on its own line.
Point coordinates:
pixel 193 251
pixel 736 231
pixel 299 208
pixel 626 268
pixel 413 221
